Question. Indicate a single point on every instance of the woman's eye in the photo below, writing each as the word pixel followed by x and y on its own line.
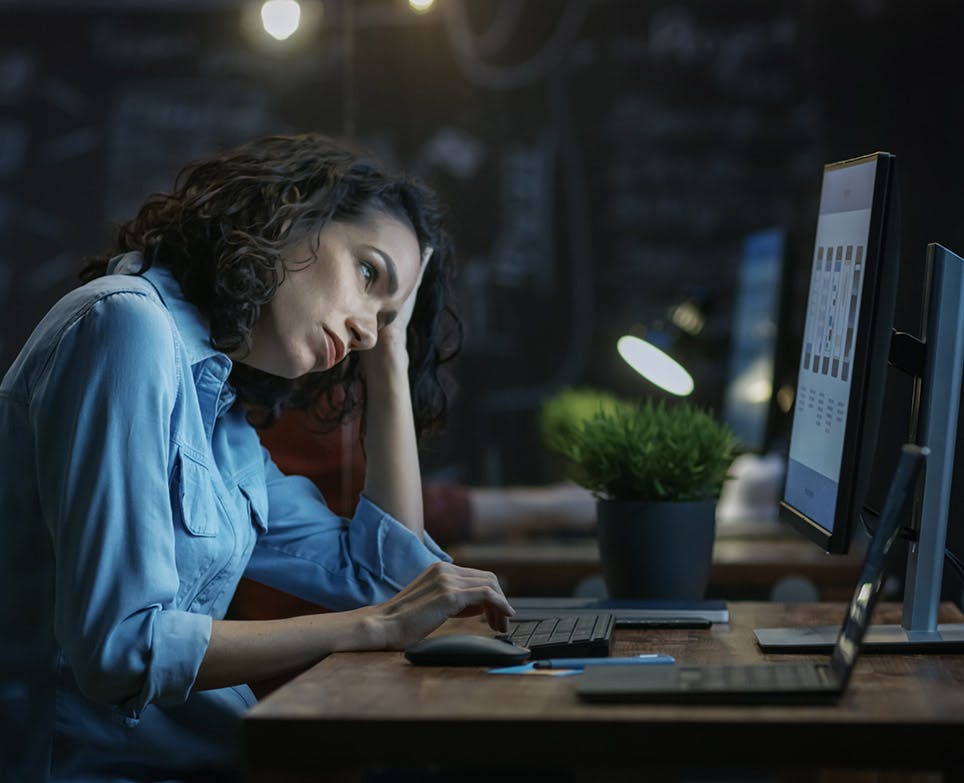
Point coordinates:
pixel 369 272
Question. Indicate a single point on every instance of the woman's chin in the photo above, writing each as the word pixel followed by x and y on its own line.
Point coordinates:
pixel 297 365
pixel 290 365
pixel 292 368
pixel 300 371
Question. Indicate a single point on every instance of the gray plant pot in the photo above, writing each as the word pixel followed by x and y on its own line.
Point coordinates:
pixel 656 549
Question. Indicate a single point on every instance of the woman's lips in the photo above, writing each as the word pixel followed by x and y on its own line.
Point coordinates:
pixel 335 347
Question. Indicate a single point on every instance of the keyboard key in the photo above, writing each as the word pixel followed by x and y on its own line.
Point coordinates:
pixel 566 636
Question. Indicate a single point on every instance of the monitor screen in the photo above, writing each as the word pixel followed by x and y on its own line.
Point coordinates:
pixel 846 339
pixel 748 396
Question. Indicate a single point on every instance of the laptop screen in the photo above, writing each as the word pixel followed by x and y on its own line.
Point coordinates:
pixel 861 607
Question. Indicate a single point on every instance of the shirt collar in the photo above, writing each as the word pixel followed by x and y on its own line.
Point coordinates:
pixel 193 329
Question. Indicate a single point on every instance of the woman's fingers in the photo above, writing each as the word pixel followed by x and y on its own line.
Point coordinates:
pixel 408 306
pixel 497 620
pixel 452 578
pixel 484 600
pixel 489 580
pixel 445 590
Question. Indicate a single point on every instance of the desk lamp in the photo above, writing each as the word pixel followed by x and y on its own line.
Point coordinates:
pixel 648 352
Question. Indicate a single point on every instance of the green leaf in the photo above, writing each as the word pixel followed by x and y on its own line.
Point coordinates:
pixel 647 451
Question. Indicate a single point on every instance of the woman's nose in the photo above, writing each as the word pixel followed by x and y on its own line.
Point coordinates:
pixel 364 335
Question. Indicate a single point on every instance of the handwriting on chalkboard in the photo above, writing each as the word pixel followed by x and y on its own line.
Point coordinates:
pixel 158 126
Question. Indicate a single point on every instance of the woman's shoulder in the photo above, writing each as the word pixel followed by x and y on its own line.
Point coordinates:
pixel 102 288
pixel 127 303
pixel 120 310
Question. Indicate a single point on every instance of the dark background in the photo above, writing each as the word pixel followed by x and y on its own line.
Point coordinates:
pixel 599 159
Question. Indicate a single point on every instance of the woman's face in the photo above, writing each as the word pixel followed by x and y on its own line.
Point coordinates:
pixel 336 296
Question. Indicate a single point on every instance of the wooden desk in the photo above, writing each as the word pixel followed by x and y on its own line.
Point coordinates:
pixel 744 568
pixel 358 709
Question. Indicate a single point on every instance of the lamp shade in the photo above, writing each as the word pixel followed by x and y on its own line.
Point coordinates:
pixel 655 365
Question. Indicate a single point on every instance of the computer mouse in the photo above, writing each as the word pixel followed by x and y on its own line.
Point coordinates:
pixel 465 650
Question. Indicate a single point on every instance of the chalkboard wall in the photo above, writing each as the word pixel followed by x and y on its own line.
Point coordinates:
pixel 599 159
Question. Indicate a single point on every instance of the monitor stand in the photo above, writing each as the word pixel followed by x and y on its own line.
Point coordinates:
pixel 919 631
pixel 945 638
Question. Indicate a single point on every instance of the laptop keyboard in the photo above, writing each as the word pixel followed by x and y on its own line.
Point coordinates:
pixel 774 677
pixel 567 636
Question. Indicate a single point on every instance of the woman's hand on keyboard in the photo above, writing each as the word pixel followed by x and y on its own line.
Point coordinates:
pixel 441 591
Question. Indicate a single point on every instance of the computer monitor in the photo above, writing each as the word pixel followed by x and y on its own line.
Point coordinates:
pixel 845 348
pixel 748 397
pixel 848 343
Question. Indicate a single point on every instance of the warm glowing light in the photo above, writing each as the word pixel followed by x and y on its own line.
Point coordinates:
pixel 758 391
pixel 421 6
pixel 785 397
pixel 280 18
pixel 753 385
pixel 654 365
pixel 688 317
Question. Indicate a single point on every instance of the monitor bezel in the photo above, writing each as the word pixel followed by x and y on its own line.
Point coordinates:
pixel 871 352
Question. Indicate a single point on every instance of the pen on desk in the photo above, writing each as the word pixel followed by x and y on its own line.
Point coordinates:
pixel 581 663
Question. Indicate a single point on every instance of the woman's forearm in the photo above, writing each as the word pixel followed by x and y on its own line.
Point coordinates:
pixel 393 478
pixel 243 651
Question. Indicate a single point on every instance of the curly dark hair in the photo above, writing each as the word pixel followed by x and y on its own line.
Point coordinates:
pixel 221 232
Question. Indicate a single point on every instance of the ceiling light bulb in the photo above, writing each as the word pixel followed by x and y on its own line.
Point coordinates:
pixel 280 18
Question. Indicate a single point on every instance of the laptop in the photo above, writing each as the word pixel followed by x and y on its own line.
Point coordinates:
pixel 631 613
pixel 773 683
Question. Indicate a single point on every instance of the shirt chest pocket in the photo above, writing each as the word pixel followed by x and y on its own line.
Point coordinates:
pixel 200 545
pixel 256 494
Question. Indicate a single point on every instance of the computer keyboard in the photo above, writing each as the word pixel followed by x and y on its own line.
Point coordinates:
pixel 580 635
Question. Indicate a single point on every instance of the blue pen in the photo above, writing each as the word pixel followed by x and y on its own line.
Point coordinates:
pixel 582 663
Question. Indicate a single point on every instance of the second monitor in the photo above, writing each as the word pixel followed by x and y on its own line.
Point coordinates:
pixel 848 343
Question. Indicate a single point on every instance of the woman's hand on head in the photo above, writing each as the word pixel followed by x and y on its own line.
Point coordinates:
pixel 441 591
pixel 393 336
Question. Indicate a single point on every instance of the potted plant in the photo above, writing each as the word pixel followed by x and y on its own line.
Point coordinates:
pixel 656 470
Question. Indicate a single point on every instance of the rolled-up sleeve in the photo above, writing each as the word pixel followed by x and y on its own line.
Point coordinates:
pixel 310 552
pixel 101 411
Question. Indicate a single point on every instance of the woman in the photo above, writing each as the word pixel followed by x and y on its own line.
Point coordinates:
pixel 134 489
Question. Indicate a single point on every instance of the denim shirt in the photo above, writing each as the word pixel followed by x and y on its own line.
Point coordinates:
pixel 135 495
